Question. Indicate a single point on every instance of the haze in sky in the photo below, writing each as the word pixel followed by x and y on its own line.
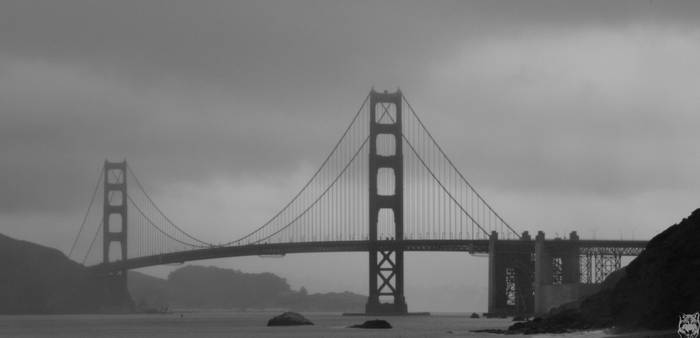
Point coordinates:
pixel 565 115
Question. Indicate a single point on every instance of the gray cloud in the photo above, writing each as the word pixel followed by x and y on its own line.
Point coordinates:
pixel 194 90
pixel 538 102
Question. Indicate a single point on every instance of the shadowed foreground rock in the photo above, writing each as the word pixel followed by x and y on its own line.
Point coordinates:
pixel 650 293
pixel 664 281
pixel 288 319
pixel 590 313
pixel 373 324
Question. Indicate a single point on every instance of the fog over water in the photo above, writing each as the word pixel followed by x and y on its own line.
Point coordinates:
pixel 565 115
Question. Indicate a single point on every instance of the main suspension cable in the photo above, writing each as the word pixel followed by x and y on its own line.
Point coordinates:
pixel 161 230
pixel 87 212
pixel 455 168
pixel 94 238
pixel 441 185
pixel 320 196
pixel 308 183
pixel 160 211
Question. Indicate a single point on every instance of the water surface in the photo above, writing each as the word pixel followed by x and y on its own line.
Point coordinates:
pixel 241 324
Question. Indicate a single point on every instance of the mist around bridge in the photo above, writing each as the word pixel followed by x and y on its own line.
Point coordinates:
pixel 565 115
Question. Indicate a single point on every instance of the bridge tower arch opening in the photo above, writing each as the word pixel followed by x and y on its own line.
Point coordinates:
pixel 386 268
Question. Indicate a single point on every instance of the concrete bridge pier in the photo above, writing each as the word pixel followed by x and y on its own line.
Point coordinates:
pixel 557 272
pixel 510 276
pixel 115 294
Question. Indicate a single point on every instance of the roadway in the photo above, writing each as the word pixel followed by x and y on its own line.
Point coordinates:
pixel 622 247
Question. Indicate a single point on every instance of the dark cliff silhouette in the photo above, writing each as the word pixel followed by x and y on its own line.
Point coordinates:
pixel 217 288
pixel 650 293
pixel 663 281
pixel 35 279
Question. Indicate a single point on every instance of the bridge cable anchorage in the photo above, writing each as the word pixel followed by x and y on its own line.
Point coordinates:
pixel 308 183
pixel 87 212
pixel 138 183
pixel 319 197
pixel 449 161
pixel 148 219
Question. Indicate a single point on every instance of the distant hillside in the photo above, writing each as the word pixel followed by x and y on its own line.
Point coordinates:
pixel 212 287
pixel 35 279
pixel 38 279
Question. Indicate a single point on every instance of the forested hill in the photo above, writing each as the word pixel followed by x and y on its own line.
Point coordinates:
pixel 198 287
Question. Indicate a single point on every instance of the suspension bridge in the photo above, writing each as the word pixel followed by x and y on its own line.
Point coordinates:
pixel 386 187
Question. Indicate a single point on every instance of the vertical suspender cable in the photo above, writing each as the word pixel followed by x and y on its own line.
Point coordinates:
pixel 87 212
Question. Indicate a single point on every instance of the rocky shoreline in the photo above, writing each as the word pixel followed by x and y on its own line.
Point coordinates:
pixel 649 294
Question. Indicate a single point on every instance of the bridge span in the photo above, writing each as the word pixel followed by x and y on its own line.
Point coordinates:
pixel 522 272
pixel 386 187
pixel 611 247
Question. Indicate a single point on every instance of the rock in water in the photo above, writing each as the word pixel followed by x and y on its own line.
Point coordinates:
pixel 373 324
pixel 474 315
pixel 289 318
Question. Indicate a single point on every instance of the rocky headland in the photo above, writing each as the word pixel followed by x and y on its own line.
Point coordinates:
pixel 650 293
pixel 35 279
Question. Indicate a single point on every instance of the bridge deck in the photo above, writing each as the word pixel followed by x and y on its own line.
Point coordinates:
pixel 472 246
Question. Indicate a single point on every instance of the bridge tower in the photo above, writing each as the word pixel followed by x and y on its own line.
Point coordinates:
pixel 385 265
pixel 114 224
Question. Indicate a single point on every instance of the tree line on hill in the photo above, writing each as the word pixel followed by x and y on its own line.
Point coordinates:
pixel 199 287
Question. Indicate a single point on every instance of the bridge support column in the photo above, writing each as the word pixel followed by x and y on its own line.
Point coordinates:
pixel 543 271
pixel 114 231
pixel 510 276
pixel 557 272
pixel 571 263
pixel 496 291
pixel 385 261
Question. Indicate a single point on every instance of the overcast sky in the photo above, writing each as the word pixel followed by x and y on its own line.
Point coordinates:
pixel 565 115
